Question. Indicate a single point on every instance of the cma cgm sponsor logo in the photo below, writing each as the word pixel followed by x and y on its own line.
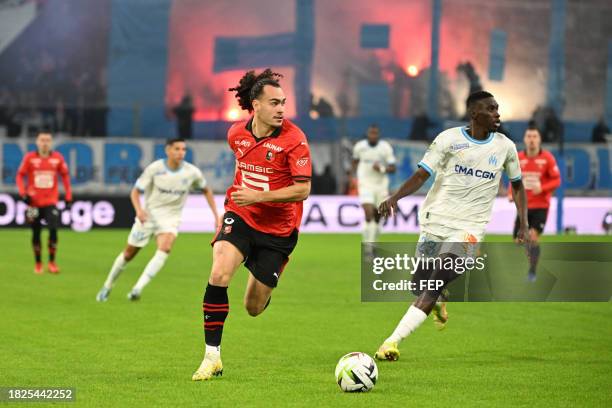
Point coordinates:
pixel 256 169
pixel 81 217
pixel 273 147
pixel 172 192
pixel 468 171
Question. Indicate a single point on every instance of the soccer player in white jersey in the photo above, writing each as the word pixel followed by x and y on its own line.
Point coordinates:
pixel 373 160
pixel 166 185
pixel 467 163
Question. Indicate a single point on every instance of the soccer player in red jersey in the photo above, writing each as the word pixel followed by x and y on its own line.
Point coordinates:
pixel 40 193
pixel 263 208
pixel 541 177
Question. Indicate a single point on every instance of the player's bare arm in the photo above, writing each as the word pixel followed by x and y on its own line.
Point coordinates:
pixel 210 199
pixel 519 196
pixel 298 191
pixel 414 183
pixel 135 199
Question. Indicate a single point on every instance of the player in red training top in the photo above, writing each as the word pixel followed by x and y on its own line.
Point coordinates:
pixel 41 194
pixel 541 177
pixel 263 208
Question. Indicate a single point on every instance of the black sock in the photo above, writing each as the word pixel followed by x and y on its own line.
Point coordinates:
pixel 534 254
pixel 52 244
pixel 36 242
pixel 215 307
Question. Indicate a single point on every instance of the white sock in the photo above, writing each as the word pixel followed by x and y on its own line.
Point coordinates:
pixel 369 231
pixel 365 233
pixel 116 269
pixel 154 265
pixel 214 350
pixel 377 230
pixel 411 320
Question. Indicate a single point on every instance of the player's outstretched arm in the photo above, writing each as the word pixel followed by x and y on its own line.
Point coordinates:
pixel 298 191
pixel 210 199
pixel 135 199
pixel 389 206
pixel 519 196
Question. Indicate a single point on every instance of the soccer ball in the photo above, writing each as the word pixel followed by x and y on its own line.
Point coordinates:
pixel 356 372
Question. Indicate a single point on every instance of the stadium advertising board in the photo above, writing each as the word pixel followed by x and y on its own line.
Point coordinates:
pixel 322 214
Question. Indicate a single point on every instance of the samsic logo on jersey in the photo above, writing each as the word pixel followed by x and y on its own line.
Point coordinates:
pixel 256 169
pixel 468 171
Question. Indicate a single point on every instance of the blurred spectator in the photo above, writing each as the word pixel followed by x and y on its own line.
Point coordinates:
pixel 420 126
pixel 598 135
pixel 184 117
pixel 548 123
pixel 324 183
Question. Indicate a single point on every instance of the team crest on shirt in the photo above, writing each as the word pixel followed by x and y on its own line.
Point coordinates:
pixel 269 156
pixel 493 160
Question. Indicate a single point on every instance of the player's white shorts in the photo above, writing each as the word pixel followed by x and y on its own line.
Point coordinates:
pixel 372 194
pixel 437 239
pixel 141 233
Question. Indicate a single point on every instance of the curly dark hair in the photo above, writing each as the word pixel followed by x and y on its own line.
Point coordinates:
pixel 251 86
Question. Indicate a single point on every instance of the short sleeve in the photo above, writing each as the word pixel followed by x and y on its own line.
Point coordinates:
pixel 299 161
pixel 389 156
pixel 512 165
pixel 146 178
pixel 434 155
pixel 199 182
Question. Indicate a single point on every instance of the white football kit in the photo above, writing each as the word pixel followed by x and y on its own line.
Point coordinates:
pixel 373 185
pixel 165 192
pixel 467 174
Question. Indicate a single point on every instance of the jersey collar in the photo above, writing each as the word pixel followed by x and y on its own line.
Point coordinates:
pixel 173 171
pixel 249 127
pixel 471 139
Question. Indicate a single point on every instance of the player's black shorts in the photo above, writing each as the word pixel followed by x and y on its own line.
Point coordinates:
pixel 265 255
pixel 536 219
pixel 50 214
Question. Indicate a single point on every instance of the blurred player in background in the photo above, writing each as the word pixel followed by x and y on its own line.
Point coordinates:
pixel 467 162
pixel 166 185
pixel 40 193
pixel 263 208
pixel 373 160
pixel 541 177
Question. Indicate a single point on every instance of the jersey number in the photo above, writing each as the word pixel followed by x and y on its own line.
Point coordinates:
pixel 255 181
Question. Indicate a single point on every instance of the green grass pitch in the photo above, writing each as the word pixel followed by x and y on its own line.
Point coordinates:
pixel 143 354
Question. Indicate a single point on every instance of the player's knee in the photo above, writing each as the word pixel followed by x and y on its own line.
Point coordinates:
pixel 220 275
pixel 534 235
pixel 129 253
pixel 165 248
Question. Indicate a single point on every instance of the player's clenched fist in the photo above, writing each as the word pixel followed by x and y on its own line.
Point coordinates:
pixel 388 207
pixel 142 216
pixel 245 196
